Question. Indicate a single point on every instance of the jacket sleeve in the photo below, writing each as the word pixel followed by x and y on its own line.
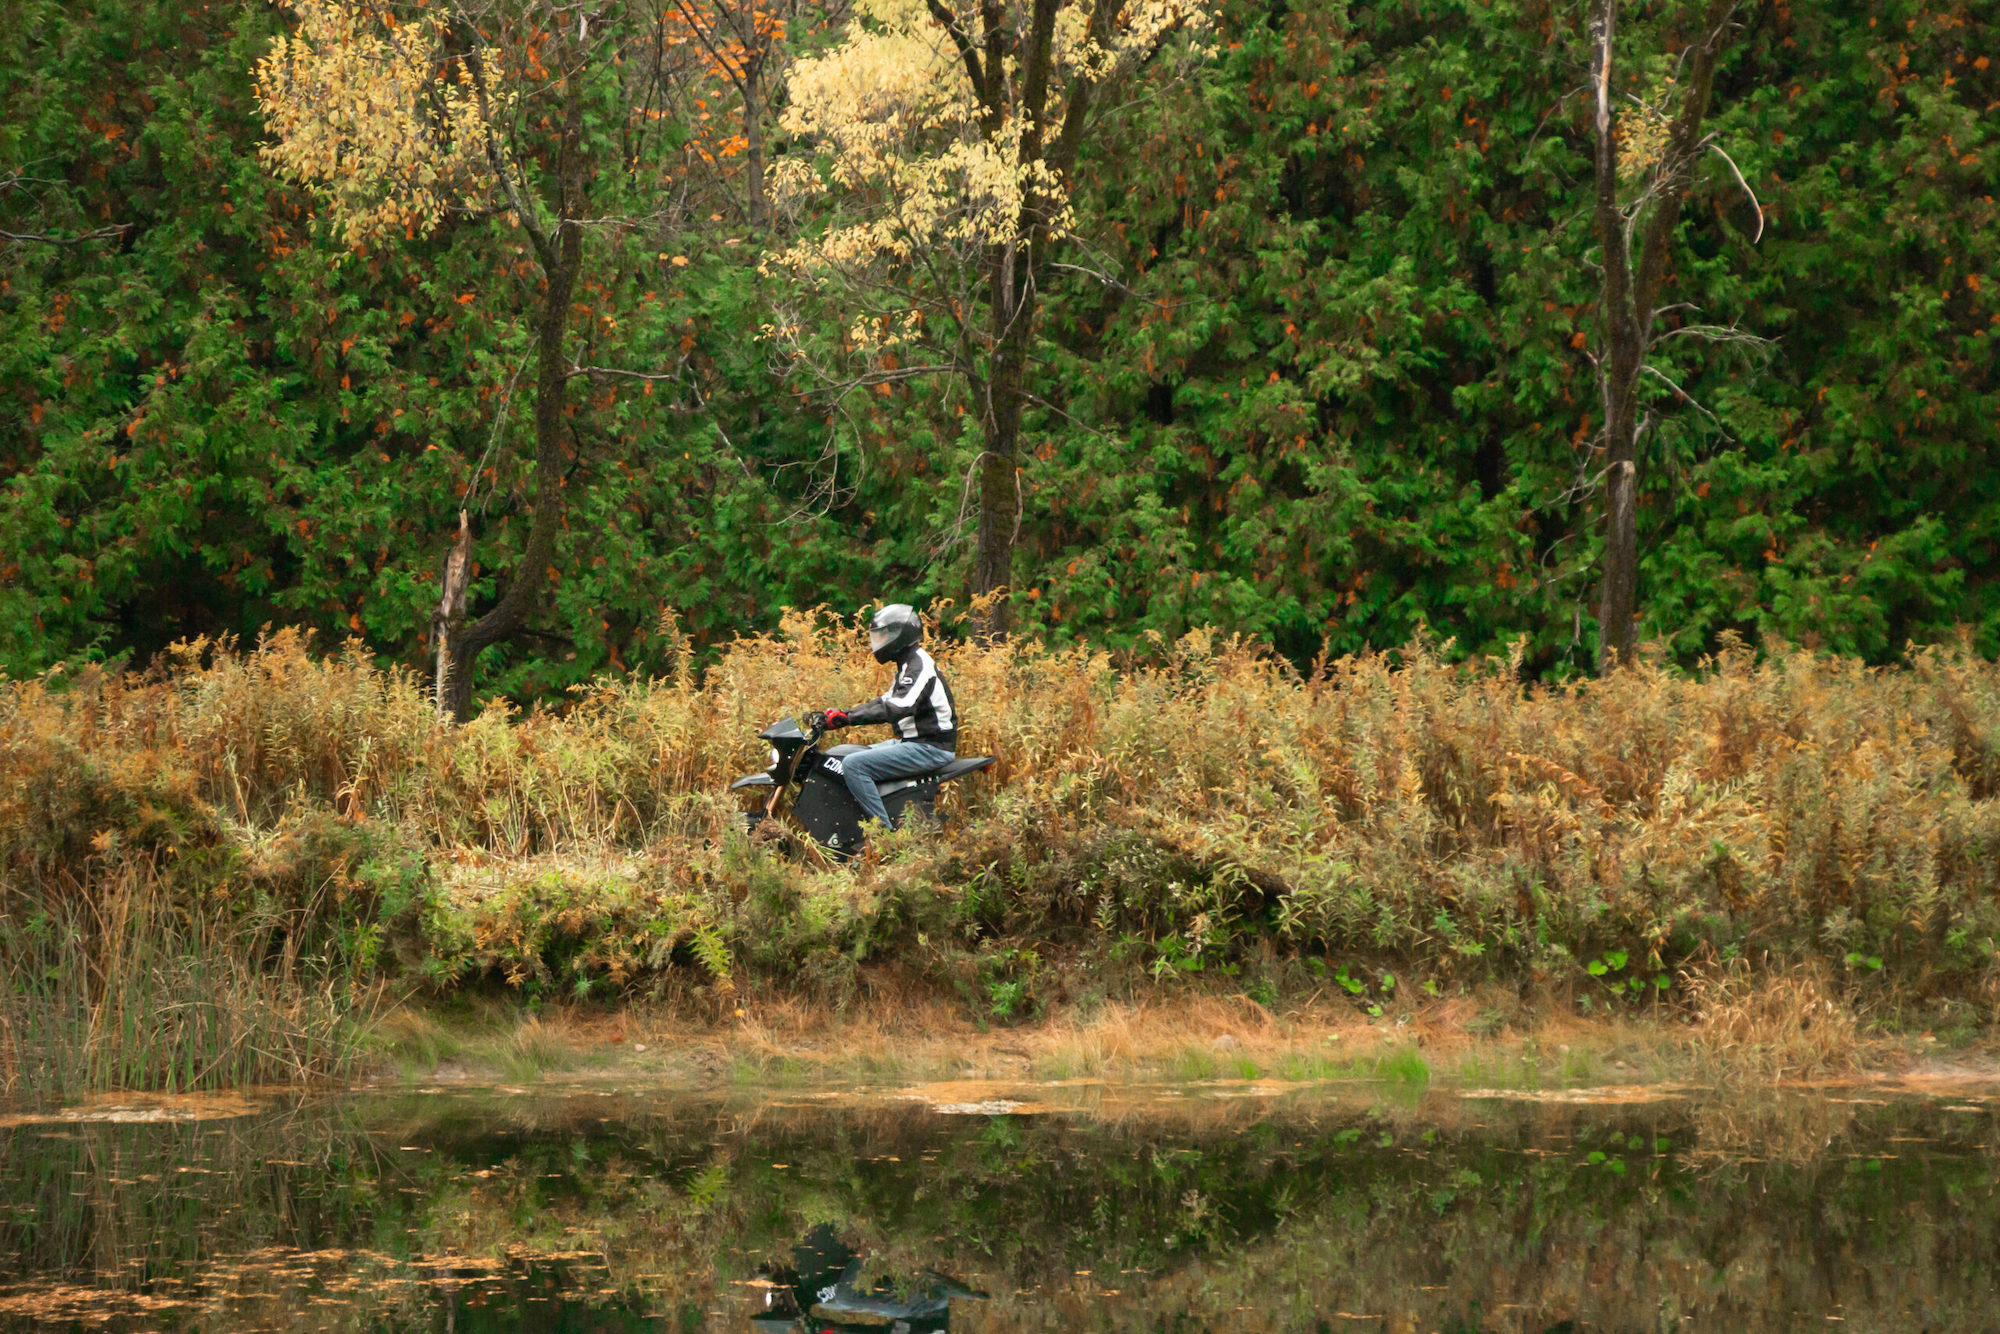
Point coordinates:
pixel 900 700
pixel 874 711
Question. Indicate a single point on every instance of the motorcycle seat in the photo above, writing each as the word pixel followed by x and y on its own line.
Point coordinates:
pixel 956 769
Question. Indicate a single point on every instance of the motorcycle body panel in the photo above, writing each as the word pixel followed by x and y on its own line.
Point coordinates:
pixel 827 811
pixel 823 805
pixel 911 794
pixel 832 816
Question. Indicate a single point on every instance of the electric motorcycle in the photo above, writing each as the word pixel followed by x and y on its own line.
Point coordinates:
pixel 824 807
pixel 825 1290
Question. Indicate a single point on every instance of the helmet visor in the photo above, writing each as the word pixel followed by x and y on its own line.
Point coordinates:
pixel 880 639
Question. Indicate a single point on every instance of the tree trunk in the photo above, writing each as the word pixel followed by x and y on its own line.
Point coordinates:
pixel 1013 292
pixel 999 476
pixel 531 573
pixel 449 615
pixel 1628 303
pixel 753 143
pixel 1617 610
pixel 1618 369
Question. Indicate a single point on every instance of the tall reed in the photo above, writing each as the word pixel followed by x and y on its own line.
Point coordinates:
pixel 127 988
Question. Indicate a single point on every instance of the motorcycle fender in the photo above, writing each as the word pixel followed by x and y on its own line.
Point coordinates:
pixel 753 780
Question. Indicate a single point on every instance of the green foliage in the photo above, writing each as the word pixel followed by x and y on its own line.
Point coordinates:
pixel 558 929
pixel 1336 388
pixel 1354 394
pixel 1008 976
pixel 705 943
pixel 1357 989
pixel 1404 1065
pixel 1609 970
pixel 225 419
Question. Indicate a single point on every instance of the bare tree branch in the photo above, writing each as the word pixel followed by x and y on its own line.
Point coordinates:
pixel 1716 148
pixel 1682 395
pixel 1714 333
pixel 963 41
pixel 613 372
pixel 101 234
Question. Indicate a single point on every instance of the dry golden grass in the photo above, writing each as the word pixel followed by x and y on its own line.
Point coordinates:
pixel 918 1035
pixel 1787 1025
pixel 1211 808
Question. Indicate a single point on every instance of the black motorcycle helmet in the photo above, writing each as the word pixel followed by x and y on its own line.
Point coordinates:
pixel 895 630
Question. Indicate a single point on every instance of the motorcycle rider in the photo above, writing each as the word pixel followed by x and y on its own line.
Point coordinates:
pixel 917 706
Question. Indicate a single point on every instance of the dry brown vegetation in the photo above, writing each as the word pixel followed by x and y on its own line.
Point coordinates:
pixel 1391 819
pixel 1787 1025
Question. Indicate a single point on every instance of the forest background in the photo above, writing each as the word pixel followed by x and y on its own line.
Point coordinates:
pixel 700 310
pixel 1319 365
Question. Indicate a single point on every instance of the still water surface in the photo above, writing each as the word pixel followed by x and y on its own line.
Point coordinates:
pixel 1222 1207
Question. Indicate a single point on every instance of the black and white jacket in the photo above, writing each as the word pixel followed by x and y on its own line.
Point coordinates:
pixel 918 706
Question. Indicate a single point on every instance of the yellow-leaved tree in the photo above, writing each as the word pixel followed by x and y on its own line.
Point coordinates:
pixel 398 117
pixel 946 134
pixel 386 120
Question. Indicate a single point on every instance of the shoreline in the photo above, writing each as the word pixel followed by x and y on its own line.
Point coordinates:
pixel 785 1044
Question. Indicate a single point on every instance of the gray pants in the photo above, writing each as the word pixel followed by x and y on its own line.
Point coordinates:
pixel 886 761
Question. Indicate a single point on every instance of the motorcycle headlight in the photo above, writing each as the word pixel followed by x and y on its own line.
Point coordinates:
pixel 774 757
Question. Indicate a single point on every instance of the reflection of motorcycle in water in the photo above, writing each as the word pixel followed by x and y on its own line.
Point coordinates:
pixel 824 807
pixel 827 1291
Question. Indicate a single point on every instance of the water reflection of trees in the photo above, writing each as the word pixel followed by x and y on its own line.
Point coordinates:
pixel 1737 1215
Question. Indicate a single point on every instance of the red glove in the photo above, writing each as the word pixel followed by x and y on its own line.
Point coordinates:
pixel 836 717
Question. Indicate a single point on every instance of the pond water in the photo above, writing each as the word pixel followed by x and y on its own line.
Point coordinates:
pixel 985 1208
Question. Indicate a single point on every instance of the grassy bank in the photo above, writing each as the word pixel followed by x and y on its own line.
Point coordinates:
pixel 1384 832
pixel 1753 1034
